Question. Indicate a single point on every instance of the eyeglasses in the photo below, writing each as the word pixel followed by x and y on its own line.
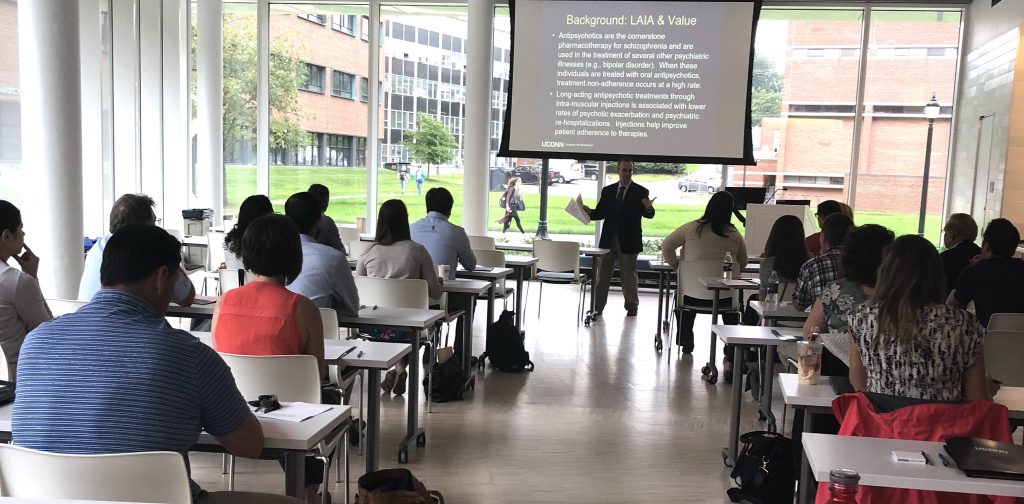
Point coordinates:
pixel 266 403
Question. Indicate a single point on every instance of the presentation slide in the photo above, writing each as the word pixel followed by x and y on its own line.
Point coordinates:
pixel 661 81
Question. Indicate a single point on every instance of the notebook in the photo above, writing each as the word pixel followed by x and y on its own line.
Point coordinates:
pixel 982 458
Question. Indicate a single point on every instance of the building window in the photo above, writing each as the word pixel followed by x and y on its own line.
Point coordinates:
pixel 314 79
pixel 320 19
pixel 911 110
pixel 820 109
pixel 344 24
pixel 364 30
pixel 343 85
pixel 819 181
pixel 364 92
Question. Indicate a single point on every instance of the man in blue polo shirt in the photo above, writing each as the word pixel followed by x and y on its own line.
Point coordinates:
pixel 114 377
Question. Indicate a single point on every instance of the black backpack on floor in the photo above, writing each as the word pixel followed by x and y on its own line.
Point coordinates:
pixel 764 469
pixel 449 381
pixel 505 346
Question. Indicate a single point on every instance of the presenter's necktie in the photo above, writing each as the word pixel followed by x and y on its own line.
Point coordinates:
pixel 619 196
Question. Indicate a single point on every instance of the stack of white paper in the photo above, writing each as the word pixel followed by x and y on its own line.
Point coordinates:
pixel 296 411
pixel 336 351
pixel 575 209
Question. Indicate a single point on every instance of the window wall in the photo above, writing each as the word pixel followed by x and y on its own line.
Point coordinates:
pixel 10 106
pixel 240 103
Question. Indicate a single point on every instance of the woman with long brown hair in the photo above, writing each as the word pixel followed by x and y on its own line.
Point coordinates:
pixel 906 342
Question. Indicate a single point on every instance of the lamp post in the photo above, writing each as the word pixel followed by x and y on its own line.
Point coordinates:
pixel 931 111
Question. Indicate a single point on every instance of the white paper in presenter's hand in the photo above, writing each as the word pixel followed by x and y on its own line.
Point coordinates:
pixel 295 411
pixel 575 209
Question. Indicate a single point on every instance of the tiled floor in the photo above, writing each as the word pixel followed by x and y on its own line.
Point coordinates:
pixel 603 419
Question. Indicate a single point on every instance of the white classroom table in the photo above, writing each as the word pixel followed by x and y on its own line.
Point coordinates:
pixel 717 285
pixel 521 264
pixel 772 313
pixel 395 319
pixel 376 356
pixel 817 399
pixel 195 241
pixel 741 337
pixel 294 439
pixel 872 459
pixel 196 311
pixel 466 291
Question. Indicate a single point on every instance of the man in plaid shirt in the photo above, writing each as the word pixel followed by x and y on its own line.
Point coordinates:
pixel 819 272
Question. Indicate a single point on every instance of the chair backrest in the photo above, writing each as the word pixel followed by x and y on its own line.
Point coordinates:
pixel 60 307
pixel 393 292
pixel 357 247
pixel 5 372
pixel 348 235
pixel 689 274
pixel 231 279
pixel 1006 322
pixel 215 248
pixel 1004 352
pixel 292 378
pixel 558 256
pixel 329 318
pixel 481 242
pixel 490 258
pixel 125 477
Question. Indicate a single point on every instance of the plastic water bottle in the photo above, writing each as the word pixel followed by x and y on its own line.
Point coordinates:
pixel 772 295
pixel 842 486
pixel 727 266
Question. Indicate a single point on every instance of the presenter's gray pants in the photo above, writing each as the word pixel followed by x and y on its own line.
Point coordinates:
pixel 627 275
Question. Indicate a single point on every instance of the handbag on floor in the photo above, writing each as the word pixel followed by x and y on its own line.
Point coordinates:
pixel 505 347
pixel 395 486
pixel 764 469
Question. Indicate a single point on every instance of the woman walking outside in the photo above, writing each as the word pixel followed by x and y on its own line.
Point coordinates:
pixel 513 205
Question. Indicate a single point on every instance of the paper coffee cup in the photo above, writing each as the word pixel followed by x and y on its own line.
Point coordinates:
pixel 442 271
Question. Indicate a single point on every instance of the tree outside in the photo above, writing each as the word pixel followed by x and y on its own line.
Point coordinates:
pixel 430 142
pixel 765 91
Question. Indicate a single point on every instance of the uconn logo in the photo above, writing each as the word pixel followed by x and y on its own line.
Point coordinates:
pixel 552 144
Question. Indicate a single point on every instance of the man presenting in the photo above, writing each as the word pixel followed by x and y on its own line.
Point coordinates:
pixel 621 206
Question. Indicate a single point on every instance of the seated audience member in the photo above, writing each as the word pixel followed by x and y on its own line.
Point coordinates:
pixel 395 255
pixel 150 387
pixel 958 237
pixel 128 209
pixel 862 254
pixel 326 278
pixel 906 342
pixel 784 251
pixel 708 238
pixel 448 244
pixel 253 207
pixel 262 317
pixel 819 272
pixel 825 208
pixel 328 233
pixel 994 281
pixel 22 307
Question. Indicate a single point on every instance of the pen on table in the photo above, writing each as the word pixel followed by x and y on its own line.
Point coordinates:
pixel 945 461
pixel 925 456
pixel 360 354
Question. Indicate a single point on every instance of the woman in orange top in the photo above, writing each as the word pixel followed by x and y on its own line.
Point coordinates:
pixel 262 317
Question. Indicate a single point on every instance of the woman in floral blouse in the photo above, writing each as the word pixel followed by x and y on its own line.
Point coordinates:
pixel 906 342
pixel 862 254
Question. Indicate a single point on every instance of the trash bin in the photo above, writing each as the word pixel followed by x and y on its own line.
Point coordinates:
pixel 498 179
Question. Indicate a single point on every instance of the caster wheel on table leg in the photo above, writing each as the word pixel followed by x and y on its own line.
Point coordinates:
pixel 706 370
pixel 403 457
pixel 713 379
pixel 421 440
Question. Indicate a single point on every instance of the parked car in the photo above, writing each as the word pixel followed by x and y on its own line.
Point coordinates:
pixel 590 171
pixel 531 174
pixel 695 186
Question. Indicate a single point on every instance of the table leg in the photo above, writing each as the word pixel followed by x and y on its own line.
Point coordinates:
pixel 490 302
pixel 729 456
pixel 805 494
pixel 413 432
pixel 767 387
pixel 520 273
pixel 661 297
pixel 295 474
pixel 373 419
pixel 710 371
pixel 593 284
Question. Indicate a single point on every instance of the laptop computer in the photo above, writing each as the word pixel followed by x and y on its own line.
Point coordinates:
pixel 982 458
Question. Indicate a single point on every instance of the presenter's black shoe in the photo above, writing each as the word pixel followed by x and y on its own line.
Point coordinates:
pixel 595 315
pixel 630 313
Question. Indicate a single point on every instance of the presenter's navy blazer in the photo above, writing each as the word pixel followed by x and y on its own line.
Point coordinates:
pixel 624 221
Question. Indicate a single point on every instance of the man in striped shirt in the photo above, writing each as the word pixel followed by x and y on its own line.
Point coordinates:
pixel 114 377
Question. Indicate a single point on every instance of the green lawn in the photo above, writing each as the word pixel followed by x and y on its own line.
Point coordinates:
pixel 350 185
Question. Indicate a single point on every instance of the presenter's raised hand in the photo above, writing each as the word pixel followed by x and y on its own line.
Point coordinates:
pixel 648 203
pixel 586 209
pixel 28 262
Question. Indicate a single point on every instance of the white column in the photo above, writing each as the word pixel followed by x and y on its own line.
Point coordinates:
pixel 125 72
pixel 263 93
pixel 151 113
pixel 176 111
pixel 373 118
pixel 210 113
pixel 90 42
pixel 478 115
pixel 51 139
